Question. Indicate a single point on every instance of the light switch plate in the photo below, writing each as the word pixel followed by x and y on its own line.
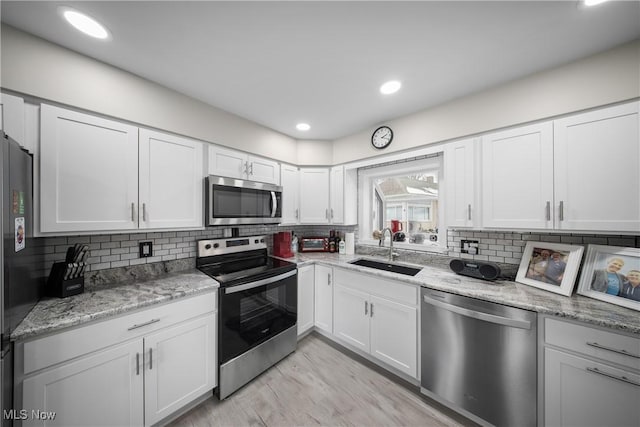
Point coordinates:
pixel 146 249
pixel 469 247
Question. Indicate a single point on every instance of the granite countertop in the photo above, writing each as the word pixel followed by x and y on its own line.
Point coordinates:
pixel 53 314
pixel 507 292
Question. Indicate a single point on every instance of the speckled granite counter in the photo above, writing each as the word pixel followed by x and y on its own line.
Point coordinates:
pixel 504 292
pixel 53 314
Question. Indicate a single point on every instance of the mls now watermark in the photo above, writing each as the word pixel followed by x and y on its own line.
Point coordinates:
pixel 24 414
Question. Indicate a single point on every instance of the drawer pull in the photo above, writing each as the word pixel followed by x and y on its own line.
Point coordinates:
pixel 615 350
pixel 143 324
pixel 615 377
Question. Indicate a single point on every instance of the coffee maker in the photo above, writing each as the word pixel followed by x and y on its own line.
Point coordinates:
pixel 282 244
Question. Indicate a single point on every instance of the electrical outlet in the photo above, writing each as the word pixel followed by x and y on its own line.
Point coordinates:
pixel 146 249
pixel 469 247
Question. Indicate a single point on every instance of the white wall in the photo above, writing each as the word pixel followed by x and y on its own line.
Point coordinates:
pixel 312 153
pixel 605 78
pixel 41 69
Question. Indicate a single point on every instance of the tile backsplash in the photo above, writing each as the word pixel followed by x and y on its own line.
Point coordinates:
pixel 121 250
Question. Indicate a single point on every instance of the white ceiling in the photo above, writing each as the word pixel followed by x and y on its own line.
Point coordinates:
pixel 280 63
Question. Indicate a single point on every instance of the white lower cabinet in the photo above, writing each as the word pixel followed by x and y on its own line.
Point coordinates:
pixel 378 317
pixel 323 301
pixel 591 376
pixel 169 360
pixel 305 298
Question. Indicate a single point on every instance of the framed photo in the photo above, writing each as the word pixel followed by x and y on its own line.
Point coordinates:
pixel 612 274
pixel 550 266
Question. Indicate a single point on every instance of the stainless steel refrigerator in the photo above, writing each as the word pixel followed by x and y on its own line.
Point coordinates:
pixel 21 260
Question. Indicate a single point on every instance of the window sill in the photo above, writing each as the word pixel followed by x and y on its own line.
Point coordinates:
pixel 429 247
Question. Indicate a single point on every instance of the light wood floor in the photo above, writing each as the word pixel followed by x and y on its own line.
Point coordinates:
pixel 319 385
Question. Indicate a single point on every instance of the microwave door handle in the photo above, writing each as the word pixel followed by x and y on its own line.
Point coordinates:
pixel 274 204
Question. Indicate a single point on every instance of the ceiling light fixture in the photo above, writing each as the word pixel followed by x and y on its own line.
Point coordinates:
pixel 390 87
pixel 85 24
pixel 303 126
pixel 593 2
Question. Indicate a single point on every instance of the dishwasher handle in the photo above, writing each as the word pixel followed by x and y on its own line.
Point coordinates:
pixel 500 320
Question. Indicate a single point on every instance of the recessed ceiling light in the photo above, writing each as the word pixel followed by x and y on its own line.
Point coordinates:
pixel 593 2
pixel 84 23
pixel 303 126
pixel 390 87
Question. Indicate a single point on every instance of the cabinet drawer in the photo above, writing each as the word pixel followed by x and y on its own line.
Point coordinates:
pixel 394 291
pixel 52 349
pixel 593 342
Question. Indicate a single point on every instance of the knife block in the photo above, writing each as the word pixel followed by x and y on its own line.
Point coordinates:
pixel 57 286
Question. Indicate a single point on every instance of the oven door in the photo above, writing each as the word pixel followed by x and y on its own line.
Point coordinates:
pixel 235 201
pixel 251 313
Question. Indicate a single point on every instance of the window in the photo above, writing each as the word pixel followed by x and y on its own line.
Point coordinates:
pixel 403 197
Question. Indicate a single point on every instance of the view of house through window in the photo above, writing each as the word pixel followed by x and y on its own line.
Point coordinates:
pixel 404 198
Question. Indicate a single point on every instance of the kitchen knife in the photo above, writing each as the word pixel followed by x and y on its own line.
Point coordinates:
pixel 70 254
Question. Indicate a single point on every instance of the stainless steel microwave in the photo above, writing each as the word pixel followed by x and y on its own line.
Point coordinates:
pixel 237 201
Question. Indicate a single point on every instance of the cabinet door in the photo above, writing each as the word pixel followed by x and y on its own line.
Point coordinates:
pixel 171 177
pixel 314 196
pixel 351 316
pixel 336 202
pixel 290 186
pixel 12 117
pixel 225 162
pixel 459 171
pixel 88 172
pixel 180 366
pixel 305 298
pixel 323 301
pixel 104 388
pixel 394 334
pixel 263 170
pixel 517 178
pixel 579 392
pixel 597 173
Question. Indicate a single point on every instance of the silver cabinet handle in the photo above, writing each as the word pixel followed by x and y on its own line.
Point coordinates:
pixel 548 208
pixel 143 324
pixel 615 350
pixel 615 377
pixel 296 213
pixel 366 308
pixel 561 215
pixel 331 213
pixel 251 168
pixel 469 211
pixel 150 359
pixel 137 363
pixel 144 212
pixel 133 212
pixel 326 213
pixel 329 279
pixel 245 170
pixel 371 310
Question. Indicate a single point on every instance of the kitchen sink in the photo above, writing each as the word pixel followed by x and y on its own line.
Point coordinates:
pixel 387 266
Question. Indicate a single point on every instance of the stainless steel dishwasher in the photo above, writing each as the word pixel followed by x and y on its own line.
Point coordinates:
pixel 479 358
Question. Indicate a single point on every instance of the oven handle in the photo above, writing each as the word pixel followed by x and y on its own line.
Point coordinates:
pixel 274 204
pixel 258 283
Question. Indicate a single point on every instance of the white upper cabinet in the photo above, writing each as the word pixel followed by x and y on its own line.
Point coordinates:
pixel 290 181
pixel 517 177
pixel 88 173
pixel 171 174
pixel 576 173
pixel 235 164
pixel 597 170
pixel 314 196
pixel 460 171
pixel 336 194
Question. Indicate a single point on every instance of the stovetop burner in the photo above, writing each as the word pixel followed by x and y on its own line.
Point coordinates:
pixel 238 260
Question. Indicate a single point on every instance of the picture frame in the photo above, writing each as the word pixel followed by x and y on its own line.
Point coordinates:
pixel 549 266
pixel 606 267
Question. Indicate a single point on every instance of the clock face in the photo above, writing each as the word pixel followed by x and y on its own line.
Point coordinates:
pixel 382 137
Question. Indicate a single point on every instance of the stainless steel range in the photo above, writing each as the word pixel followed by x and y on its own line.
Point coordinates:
pixel 257 310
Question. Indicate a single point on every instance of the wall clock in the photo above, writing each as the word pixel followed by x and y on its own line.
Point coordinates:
pixel 382 137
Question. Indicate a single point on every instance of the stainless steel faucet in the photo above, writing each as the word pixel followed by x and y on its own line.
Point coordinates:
pixel 391 253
